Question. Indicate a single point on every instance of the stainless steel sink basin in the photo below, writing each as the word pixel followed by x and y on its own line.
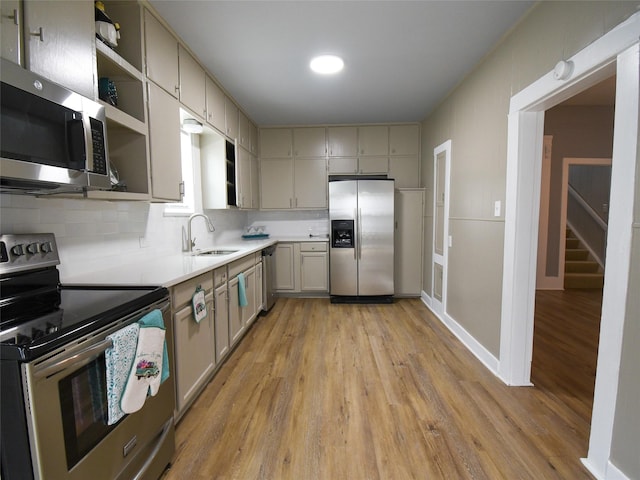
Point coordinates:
pixel 215 252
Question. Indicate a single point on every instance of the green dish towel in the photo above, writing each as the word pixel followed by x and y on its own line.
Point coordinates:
pixel 242 293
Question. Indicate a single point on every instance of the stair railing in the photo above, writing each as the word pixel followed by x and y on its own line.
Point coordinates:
pixel 588 226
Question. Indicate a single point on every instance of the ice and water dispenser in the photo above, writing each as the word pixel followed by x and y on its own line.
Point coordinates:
pixel 342 234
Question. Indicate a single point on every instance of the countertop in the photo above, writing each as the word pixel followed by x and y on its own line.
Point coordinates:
pixel 171 269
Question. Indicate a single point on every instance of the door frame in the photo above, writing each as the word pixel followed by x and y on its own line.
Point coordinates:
pixel 615 52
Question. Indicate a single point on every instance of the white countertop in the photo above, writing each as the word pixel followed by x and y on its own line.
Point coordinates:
pixel 170 269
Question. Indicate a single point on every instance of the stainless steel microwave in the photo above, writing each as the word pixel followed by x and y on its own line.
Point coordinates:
pixel 52 140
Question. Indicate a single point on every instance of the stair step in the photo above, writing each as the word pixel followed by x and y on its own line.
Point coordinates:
pixel 576 254
pixel 578 266
pixel 584 280
pixel 572 243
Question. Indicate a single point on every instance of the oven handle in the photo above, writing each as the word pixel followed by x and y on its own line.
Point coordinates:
pixel 156 449
pixel 83 355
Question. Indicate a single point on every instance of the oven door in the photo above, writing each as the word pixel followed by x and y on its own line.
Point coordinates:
pixel 68 431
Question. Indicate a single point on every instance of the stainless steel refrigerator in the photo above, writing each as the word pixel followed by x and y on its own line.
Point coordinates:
pixel 361 244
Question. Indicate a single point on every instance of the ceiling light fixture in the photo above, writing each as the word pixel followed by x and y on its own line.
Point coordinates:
pixel 191 125
pixel 326 64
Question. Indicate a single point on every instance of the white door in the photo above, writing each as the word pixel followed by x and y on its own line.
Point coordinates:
pixel 441 164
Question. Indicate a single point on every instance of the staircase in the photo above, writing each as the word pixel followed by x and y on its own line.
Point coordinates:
pixel 580 269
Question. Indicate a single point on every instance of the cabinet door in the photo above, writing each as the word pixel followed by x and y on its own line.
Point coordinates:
pixel 255 183
pixel 244 135
pixel 284 275
pixel 236 326
pixel 275 143
pixel 231 118
pixel 253 132
pixel 276 183
pixel 347 165
pixel 404 140
pixel 309 142
pixel 259 288
pixel 194 352
pixel 310 181
pixel 373 140
pixel 373 165
pixel 161 55
pixel 409 206
pixel 313 272
pixel 60 43
pixel 249 312
pixel 222 321
pixel 244 180
pixel 164 141
pixel 215 105
pixel 405 171
pixel 343 141
pixel 10 34
pixel 192 83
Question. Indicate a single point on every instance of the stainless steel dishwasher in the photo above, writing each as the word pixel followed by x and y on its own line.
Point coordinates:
pixel 267 277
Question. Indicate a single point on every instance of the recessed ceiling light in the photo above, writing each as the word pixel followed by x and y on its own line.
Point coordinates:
pixel 326 64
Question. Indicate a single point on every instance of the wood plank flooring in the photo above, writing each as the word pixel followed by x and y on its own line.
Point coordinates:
pixel 322 391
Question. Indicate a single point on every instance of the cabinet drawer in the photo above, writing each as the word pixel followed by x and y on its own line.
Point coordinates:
pixel 313 246
pixel 183 293
pixel 220 276
pixel 241 265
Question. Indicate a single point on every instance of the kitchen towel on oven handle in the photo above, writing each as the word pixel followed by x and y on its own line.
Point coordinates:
pixel 150 366
pixel 118 360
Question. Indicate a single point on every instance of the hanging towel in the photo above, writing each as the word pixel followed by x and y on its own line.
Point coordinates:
pixel 118 360
pixel 150 364
pixel 242 293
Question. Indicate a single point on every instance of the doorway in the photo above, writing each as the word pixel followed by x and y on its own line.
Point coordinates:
pixel 616 52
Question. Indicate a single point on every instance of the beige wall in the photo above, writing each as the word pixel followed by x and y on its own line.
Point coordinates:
pixel 474 117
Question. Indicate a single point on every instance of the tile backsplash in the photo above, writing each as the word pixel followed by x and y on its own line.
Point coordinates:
pixel 93 234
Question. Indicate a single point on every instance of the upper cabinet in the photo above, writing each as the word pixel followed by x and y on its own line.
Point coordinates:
pixel 276 143
pixel 404 139
pixel 373 140
pixel 60 43
pixel 192 83
pixel 10 33
pixel 309 142
pixel 161 55
pixel 244 135
pixel 215 99
pixel 231 118
pixel 343 141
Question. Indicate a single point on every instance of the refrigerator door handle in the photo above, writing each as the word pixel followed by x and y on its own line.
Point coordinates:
pixel 356 233
pixel 359 234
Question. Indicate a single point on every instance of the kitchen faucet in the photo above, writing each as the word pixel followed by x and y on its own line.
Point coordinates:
pixel 192 242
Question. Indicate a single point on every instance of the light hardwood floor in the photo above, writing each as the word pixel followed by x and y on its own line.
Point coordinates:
pixel 322 391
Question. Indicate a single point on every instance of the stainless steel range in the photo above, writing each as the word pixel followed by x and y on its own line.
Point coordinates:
pixel 53 401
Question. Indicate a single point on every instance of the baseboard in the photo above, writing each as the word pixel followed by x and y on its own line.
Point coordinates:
pixel 475 347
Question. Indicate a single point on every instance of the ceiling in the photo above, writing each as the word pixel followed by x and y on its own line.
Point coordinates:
pixel 401 57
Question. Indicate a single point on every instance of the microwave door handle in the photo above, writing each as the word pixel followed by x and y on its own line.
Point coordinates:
pixel 88 142
pixel 88 353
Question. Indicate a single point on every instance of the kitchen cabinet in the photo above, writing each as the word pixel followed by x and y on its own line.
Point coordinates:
pixel 301 268
pixel 161 55
pixel 194 342
pixel 404 139
pixel 240 318
pixel 60 43
pixel 231 116
pixel 218 171
pixel 259 285
pixel 215 105
pixel 192 83
pixel 293 183
pixel 362 165
pixel 255 140
pixel 342 141
pixel 164 132
pixel 250 286
pixel 221 314
pixel 309 142
pixel 247 180
pixel 10 32
pixel 255 182
pixel 314 261
pixel 373 140
pixel 409 223
pixel 244 135
pixel 276 143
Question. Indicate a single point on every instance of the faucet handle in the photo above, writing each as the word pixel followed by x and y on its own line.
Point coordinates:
pixel 193 242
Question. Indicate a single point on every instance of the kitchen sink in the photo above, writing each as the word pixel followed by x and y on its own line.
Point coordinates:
pixel 214 252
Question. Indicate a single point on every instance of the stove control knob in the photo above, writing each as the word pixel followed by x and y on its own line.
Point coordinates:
pixel 46 247
pixel 17 250
pixel 32 248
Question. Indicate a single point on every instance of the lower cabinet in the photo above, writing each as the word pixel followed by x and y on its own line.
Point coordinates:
pixel 221 300
pixel 302 267
pixel 409 212
pixel 240 317
pixel 194 342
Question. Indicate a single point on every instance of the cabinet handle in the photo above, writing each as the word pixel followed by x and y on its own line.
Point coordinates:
pixel 14 17
pixel 39 33
pixel 177 89
pixel 290 203
pixel 181 188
